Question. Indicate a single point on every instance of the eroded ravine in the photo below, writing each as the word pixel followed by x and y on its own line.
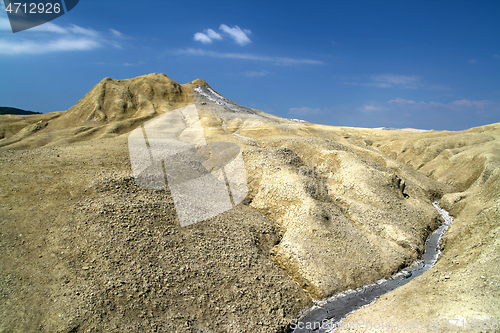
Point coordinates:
pixel 327 315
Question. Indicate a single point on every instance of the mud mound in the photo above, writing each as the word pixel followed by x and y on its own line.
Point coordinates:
pixel 117 100
pixel 111 108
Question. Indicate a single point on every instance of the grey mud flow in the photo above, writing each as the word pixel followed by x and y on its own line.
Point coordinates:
pixel 338 307
pixel 27 14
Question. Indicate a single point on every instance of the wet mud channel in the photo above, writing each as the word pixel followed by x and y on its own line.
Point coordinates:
pixel 326 316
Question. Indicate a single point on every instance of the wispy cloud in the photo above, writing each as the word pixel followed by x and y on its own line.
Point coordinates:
pixel 47 27
pixel 455 105
pixel 117 33
pixel 50 37
pixel 393 81
pixel 32 47
pixel 257 73
pixel 402 101
pixel 372 107
pixel 236 33
pixel 247 56
pixel 390 81
pixel 408 106
pixel 307 111
pixel 472 61
pixel 240 37
pixel 82 31
pixel 467 103
pixel 124 64
pixel 400 113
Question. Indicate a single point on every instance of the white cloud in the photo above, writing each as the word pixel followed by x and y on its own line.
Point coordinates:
pixel 212 34
pixel 257 73
pixel 247 56
pixel 201 37
pixel 239 36
pixel 50 37
pixel 402 101
pixel 209 35
pixel 472 61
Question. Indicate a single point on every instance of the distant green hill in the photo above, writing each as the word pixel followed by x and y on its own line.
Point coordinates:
pixel 7 110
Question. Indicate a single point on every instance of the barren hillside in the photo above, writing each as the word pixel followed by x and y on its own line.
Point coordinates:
pixel 84 248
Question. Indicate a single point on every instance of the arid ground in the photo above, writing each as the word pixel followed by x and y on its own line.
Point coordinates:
pixel 84 249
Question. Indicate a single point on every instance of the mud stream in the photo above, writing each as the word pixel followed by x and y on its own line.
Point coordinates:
pixel 326 315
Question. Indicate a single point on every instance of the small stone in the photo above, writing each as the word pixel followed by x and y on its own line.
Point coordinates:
pixel 85 268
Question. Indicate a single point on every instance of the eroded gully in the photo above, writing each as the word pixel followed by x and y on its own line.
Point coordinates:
pixel 326 315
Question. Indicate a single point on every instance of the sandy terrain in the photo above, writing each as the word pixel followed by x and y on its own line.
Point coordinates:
pixel 85 249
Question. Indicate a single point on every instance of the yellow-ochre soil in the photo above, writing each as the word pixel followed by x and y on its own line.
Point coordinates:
pixel 84 249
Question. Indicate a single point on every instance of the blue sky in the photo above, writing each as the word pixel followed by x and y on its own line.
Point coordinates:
pixel 422 64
